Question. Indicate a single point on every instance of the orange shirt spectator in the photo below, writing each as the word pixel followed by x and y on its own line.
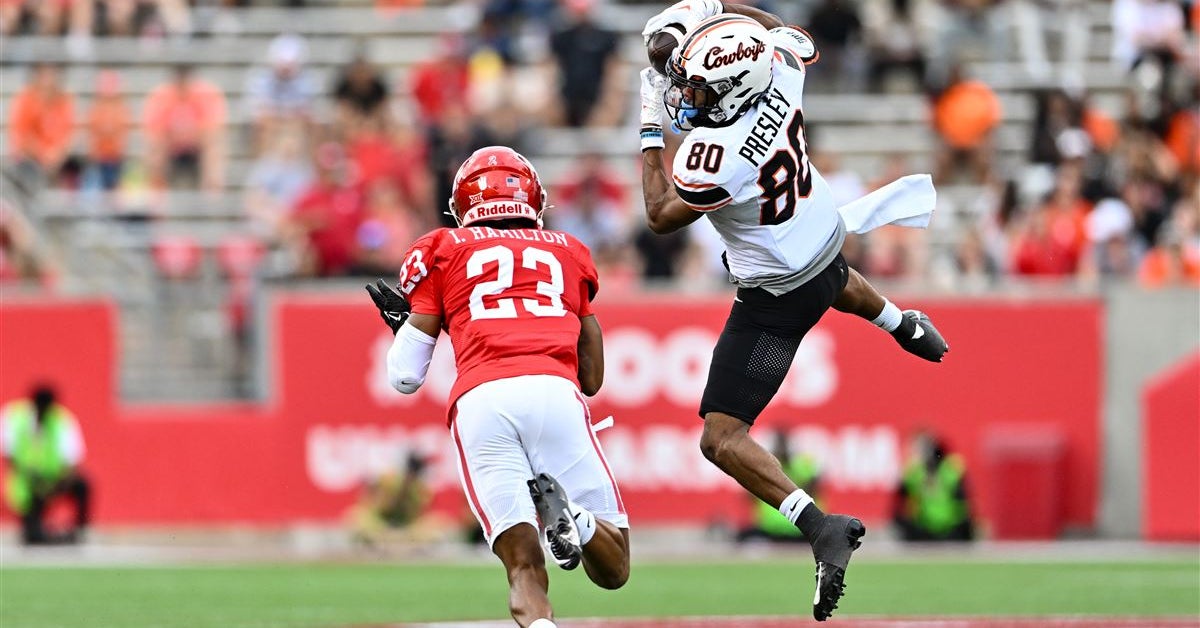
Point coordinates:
pixel 966 113
pixel 1169 265
pixel 108 121
pixel 183 113
pixel 1183 139
pixel 1103 130
pixel 184 121
pixel 41 121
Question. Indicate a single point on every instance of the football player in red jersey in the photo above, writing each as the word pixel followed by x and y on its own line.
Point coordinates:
pixel 516 302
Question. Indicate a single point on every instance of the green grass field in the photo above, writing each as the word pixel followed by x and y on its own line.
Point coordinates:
pixel 331 595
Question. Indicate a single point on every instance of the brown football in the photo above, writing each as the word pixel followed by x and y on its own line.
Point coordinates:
pixel 662 44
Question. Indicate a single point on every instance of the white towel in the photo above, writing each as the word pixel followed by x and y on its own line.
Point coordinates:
pixel 905 202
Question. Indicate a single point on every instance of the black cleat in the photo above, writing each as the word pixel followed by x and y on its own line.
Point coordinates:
pixel 839 536
pixel 558 526
pixel 925 341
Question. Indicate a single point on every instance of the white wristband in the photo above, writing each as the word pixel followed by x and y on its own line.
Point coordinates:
pixel 652 137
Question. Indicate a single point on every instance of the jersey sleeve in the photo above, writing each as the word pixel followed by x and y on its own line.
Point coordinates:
pixel 794 46
pixel 421 276
pixel 704 185
pixel 717 176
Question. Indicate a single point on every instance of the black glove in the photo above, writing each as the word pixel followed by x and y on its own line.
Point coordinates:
pixel 393 307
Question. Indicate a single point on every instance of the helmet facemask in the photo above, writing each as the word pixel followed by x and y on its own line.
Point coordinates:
pixel 695 103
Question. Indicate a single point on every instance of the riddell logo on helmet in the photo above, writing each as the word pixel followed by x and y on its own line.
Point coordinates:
pixel 715 57
pixel 498 209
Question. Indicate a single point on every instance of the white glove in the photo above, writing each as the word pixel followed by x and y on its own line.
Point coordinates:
pixel 798 41
pixel 653 86
pixel 686 13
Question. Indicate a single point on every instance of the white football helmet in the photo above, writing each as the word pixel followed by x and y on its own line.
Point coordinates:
pixel 719 71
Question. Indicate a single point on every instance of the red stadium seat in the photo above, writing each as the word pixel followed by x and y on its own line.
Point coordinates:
pixel 239 255
pixel 177 257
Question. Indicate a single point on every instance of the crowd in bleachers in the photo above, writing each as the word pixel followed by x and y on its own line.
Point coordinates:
pixel 342 175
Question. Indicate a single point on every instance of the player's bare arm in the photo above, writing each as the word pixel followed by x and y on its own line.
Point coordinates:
pixel 591 356
pixel 428 324
pixel 665 211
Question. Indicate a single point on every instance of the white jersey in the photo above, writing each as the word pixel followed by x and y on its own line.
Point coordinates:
pixel 775 213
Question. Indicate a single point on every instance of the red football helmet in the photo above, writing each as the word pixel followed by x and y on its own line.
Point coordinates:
pixel 497 182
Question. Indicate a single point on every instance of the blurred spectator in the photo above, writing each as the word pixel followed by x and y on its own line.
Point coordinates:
pixel 768 524
pixel 931 502
pixel 323 224
pixel 895 32
pixel 139 18
pixel 1112 251
pixel 1053 238
pixel 10 16
pixel 1175 260
pixel 395 154
pixel 43 447
pixel 386 232
pixel 360 93
pixel 1149 34
pixel 108 122
pixel 661 255
pixel 41 123
pixel 281 94
pixel 276 180
pixel 46 18
pixel 1148 205
pixel 971 260
pixel 1183 134
pixel 123 18
pixel 888 251
pixel 20 256
pixel 965 114
pixel 589 73
pixel 443 81
pixel 1033 18
pixel 836 29
pixel 373 154
pixel 895 252
pixel 449 144
pixel 395 507
pixel 1055 113
pixel 185 132
pixel 590 205
pixel 499 25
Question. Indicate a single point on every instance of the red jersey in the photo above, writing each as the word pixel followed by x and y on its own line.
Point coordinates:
pixel 511 299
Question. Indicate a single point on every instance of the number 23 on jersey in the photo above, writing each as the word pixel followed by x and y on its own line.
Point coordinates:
pixel 501 260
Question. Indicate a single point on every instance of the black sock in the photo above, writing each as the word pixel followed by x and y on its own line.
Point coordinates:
pixel 810 521
pixel 904 332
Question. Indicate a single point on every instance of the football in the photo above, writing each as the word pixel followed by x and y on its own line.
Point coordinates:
pixel 662 44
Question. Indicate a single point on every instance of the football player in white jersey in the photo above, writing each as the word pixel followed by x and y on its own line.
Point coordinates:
pixel 735 81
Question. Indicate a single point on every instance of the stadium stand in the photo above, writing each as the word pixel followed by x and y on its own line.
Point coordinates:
pixel 163 254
